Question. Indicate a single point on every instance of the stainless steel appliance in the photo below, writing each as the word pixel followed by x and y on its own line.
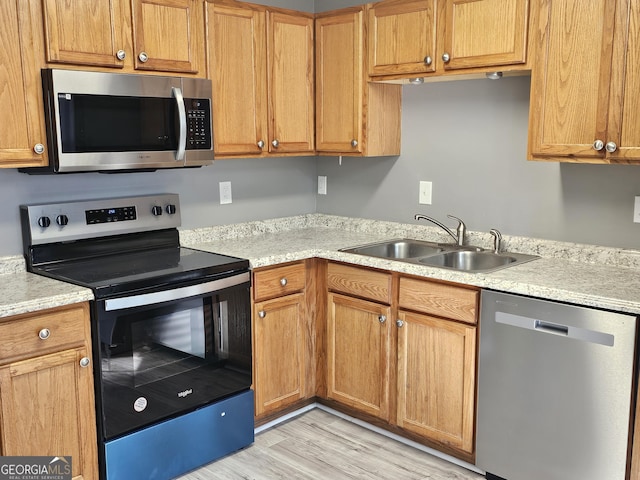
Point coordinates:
pixel 108 122
pixel 171 329
pixel 555 388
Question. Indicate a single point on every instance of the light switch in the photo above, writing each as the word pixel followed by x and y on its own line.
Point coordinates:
pixel 425 193
pixel 322 185
pixel 225 193
pixel 636 210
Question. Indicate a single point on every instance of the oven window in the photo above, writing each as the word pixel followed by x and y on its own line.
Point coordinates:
pixel 158 344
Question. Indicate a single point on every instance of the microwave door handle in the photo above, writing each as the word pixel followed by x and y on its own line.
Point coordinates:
pixel 182 119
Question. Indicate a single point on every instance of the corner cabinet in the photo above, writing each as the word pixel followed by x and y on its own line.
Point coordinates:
pixel 584 87
pixel 148 35
pixel 426 37
pixel 282 339
pixel 23 138
pixel 261 66
pixel 353 116
pixel 46 388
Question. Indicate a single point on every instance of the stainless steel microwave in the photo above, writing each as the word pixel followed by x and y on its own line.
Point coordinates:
pixel 106 122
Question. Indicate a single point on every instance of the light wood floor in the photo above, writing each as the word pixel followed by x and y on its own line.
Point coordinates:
pixel 318 445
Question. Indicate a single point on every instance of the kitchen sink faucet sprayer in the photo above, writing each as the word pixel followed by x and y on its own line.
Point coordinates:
pixel 460 231
pixel 497 240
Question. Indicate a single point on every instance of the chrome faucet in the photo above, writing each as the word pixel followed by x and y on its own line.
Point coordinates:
pixel 497 240
pixel 460 231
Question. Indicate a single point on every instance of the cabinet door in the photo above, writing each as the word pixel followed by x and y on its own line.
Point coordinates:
pixel 570 81
pixel 21 57
pixel 237 69
pixel 168 35
pixel 83 32
pixel 358 342
pixel 436 379
pixel 339 82
pixel 402 37
pixel 480 33
pixel 48 409
pixel 291 83
pixel 624 117
pixel 280 344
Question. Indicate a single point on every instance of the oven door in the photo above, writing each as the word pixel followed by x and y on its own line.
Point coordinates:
pixel 164 353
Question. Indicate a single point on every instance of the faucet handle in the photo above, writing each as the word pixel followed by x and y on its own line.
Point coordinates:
pixel 460 230
pixel 460 222
pixel 497 239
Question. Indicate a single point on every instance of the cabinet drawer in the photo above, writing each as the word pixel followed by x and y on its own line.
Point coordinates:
pixel 446 301
pixel 278 281
pixel 359 282
pixel 21 337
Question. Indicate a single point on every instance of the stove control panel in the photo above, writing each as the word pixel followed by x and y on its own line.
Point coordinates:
pixel 68 221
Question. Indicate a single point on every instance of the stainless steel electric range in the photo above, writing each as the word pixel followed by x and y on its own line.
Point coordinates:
pixel 171 331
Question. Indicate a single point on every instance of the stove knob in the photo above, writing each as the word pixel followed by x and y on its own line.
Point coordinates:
pixel 156 210
pixel 44 222
pixel 62 220
pixel 171 209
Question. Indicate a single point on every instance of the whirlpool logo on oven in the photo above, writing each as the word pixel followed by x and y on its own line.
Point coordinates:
pixel 186 392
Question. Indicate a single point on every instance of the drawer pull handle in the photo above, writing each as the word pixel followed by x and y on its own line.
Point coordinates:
pixel 262 314
pixel 283 282
pixel 44 333
pixel 84 362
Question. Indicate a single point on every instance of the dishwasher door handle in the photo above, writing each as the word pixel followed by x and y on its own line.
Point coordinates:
pixel 550 328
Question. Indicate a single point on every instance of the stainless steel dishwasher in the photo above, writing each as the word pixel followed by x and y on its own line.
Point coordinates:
pixel 555 386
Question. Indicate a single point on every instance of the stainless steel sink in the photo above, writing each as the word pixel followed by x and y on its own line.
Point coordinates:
pixel 442 255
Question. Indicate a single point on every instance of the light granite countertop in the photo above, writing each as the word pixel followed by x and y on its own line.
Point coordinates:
pixel 601 277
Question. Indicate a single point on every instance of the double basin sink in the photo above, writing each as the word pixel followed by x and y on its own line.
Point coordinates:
pixel 453 257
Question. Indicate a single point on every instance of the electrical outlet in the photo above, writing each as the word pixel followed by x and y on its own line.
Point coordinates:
pixel 225 193
pixel 636 210
pixel 322 185
pixel 425 193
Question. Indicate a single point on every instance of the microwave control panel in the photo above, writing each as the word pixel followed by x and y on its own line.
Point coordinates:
pixel 198 123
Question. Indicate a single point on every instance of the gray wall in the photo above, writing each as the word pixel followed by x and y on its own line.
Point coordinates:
pixel 469 138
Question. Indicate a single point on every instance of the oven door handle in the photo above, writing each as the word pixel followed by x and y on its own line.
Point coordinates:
pixel 122 303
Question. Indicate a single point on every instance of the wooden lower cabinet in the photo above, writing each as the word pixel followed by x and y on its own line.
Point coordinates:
pixel 46 389
pixel 358 345
pixel 436 379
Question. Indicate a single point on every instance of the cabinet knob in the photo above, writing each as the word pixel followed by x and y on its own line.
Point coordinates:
pixel 121 54
pixel 354 143
pixel 262 314
pixel 611 147
pixel 44 333
pixel 143 57
pixel 399 323
pixel 598 145
pixel 446 57
pixel 260 143
pixel 382 318
pixel 85 362
pixel 275 143
pixel 283 282
pixel 38 148
pixel 428 60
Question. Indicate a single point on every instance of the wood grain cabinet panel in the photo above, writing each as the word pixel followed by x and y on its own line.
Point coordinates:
pixel 446 301
pixel 47 400
pixel 358 343
pixel 359 282
pixel 279 281
pixel 23 138
pixel 584 95
pixel 436 379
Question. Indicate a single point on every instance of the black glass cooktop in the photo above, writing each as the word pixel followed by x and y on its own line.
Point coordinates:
pixel 142 270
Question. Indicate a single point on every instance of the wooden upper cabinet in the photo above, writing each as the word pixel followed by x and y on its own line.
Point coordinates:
pixel 84 32
pixel 423 37
pixel 261 66
pixel 153 35
pixel 291 83
pixel 168 35
pixel 402 37
pixel 22 135
pixel 481 33
pixel 353 116
pixel 584 90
